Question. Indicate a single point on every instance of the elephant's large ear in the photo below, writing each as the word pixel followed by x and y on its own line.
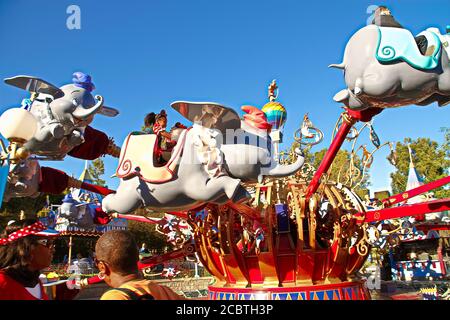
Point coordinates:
pixel 108 111
pixel 208 114
pixel 34 84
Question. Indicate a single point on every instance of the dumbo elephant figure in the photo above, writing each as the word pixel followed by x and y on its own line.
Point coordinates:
pixel 208 164
pixel 384 67
pixel 62 113
pixel 79 215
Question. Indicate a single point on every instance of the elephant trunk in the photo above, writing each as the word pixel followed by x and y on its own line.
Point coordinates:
pixel 287 170
pixel 82 113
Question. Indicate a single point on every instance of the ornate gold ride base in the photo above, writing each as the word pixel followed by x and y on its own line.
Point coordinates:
pixel 353 290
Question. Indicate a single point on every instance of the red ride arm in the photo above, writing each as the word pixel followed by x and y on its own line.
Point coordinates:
pixel 56 181
pixel 95 145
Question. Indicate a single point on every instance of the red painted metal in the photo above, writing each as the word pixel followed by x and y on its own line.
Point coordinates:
pixel 139 218
pixel 364 115
pixel 405 211
pixel 329 157
pixel 97 189
pixel 146 263
pixel 152 261
pixel 254 270
pixel 441 259
pixel 352 116
pixel 416 191
pixel 85 282
pixel 350 290
pixel 179 214
pixel 245 211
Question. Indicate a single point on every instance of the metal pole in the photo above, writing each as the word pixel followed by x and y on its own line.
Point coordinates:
pixel 338 140
pixel 196 270
pixel 70 251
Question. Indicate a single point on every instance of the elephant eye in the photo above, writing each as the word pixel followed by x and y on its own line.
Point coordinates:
pixel 75 102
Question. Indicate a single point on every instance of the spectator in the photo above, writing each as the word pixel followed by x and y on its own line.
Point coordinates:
pixel 144 249
pixel 26 247
pixel 117 259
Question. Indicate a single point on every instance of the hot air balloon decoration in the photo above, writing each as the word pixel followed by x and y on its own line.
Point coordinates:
pixel 276 116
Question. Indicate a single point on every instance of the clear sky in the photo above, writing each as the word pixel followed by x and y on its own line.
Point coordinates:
pixel 143 55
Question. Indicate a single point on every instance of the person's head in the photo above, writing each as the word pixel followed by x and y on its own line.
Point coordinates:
pixel 79 256
pixel 26 244
pixel 161 118
pixel 149 119
pixel 383 11
pixel 117 255
pixel 144 245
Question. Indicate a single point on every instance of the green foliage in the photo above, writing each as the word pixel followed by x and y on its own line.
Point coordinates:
pixel 339 168
pixel 146 233
pixel 97 169
pixel 430 159
pixel 31 206
pixel 446 146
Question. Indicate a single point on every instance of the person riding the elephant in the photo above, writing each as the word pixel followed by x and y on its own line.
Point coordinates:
pixel 159 128
pixel 156 124
pixel 384 18
pixel 149 121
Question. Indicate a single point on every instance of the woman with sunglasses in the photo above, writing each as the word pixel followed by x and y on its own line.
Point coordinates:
pixel 26 247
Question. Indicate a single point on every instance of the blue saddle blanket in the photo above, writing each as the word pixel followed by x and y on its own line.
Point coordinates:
pixel 396 44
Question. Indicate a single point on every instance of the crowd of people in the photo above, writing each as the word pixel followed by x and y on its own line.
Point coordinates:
pixel 27 247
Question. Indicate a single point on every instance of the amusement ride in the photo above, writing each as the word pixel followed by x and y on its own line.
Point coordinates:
pixel 265 224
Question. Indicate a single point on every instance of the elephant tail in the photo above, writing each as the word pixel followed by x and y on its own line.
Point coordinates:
pixel 337 66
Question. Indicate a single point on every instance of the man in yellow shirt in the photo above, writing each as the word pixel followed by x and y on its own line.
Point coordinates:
pixel 117 255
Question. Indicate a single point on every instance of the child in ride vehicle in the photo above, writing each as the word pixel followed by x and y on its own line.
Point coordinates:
pixel 156 124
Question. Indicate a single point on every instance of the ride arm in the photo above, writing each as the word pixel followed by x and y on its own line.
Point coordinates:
pixel 96 144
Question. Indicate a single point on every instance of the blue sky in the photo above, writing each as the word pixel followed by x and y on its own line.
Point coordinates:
pixel 143 55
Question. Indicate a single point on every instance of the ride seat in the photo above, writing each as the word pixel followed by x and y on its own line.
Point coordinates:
pixel 139 156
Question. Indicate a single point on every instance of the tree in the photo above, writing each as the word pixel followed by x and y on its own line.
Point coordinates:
pixel 446 145
pixel 430 160
pixel 31 206
pixel 340 167
pixel 96 169
pixel 146 233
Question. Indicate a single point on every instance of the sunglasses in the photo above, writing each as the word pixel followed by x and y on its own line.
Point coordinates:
pixel 46 242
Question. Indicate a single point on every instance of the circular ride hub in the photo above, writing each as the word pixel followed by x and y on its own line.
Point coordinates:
pixel 283 249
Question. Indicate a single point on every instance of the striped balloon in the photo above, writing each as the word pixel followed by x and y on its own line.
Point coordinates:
pixel 276 114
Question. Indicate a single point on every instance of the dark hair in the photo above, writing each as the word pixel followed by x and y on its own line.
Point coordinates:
pixel 17 254
pixel 119 250
pixel 162 114
pixel 149 119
